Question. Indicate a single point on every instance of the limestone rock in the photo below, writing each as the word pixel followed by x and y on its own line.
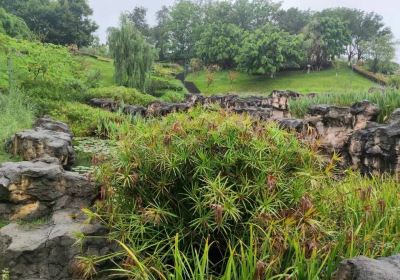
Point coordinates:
pixel 363 268
pixel 31 190
pixel 291 124
pixel 48 251
pixel 49 124
pixel 39 142
pixel 376 148
pixel 334 125
pixel 163 108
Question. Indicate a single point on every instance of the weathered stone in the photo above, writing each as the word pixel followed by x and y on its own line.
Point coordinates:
pixel 34 189
pixel 363 268
pixel 376 148
pixel 48 251
pixel 163 109
pixel 134 110
pixel 280 99
pixel 257 113
pixel 49 124
pixel 334 125
pixel 39 143
pixel 105 103
pixel 291 124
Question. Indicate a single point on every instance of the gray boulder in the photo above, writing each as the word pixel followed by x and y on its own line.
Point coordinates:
pixel 32 190
pixel 48 123
pixel 39 142
pixel 49 251
pixel 363 268
pixel 333 126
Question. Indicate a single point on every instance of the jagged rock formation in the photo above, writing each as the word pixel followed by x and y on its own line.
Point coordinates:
pixel 48 251
pixel 363 268
pixel 35 189
pixel 275 106
pixel 47 139
pixel 376 148
pixel 41 191
pixel 334 125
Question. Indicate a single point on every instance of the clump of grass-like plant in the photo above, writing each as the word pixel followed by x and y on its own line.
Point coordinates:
pixel 215 195
pixel 388 100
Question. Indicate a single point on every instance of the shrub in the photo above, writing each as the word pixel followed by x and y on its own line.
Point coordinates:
pixel 172 96
pixel 167 70
pixel 159 85
pixel 13 26
pixel 394 82
pixel 212 195
pixel 119 93
pixel 206 175
pixel 83 119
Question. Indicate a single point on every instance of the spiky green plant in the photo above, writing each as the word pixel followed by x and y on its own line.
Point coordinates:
pixel 216 195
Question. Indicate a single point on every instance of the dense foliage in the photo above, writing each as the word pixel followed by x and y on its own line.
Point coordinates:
pixel 211 30
pixel 133 56
pixel 42 70
pixel 209 194
pixel 59 22
pixel 267 50
pixel 327 38
pixel 13 26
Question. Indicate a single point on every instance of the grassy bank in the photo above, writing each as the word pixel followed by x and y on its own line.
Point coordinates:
pixel 330 80
pixel 387 101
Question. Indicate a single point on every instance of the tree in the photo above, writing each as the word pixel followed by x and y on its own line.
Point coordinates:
pixel 184 26
pixel 327 38
pixel 13 26
pixel 55 21
pixel 133 56
pixel 160 33
pixel 380 51
pixel 293 20
pixel 361 26
pixel 138 17
pixel 268 49
pixel 252 14
pixel 219 44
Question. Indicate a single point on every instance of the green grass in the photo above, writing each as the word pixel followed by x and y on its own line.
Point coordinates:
pixel 106 69
pixel 387 101
pixel 318 82
pixel 15 116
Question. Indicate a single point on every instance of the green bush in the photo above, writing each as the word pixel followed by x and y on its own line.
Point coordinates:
pixel 210 195
pixel 158 86
pixel 42 70
pixel 119 93
pixel 172 96
pixel 394 81
pixel 83 119
pixel 13 26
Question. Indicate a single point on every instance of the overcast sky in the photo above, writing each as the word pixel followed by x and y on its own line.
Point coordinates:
pixel 106 12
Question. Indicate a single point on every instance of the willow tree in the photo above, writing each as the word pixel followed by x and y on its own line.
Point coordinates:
pixel 133 56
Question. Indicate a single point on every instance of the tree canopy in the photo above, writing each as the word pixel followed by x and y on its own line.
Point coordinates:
pixel 13 26
pixel 212 30
pixel 268 49
pixel 59 21
pixel 133 56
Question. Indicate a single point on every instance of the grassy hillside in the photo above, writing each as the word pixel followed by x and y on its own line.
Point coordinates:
pixel 104 69
pixel 329 80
